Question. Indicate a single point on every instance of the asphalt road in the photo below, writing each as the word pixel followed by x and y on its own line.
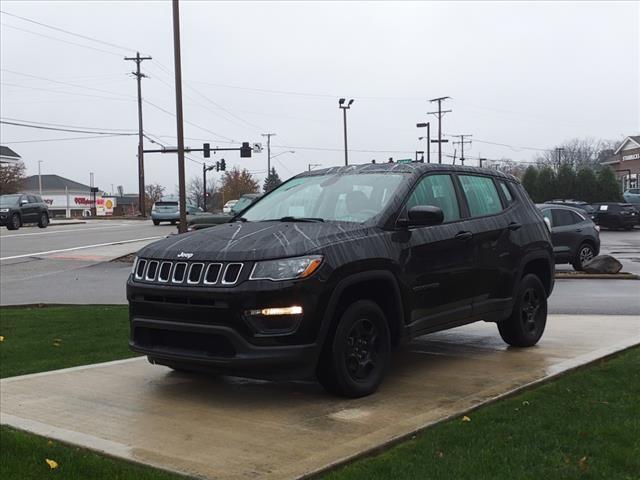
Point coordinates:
pixel 78 271
pixel 71 263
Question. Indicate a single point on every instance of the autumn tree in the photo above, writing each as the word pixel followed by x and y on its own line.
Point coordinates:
pixel 272 181
pixel 236 183
pixel 153 192
pixel 11 177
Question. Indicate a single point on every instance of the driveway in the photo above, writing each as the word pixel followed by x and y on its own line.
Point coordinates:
pixel 233 428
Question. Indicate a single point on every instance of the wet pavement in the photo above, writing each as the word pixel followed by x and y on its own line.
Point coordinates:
pixel 232 428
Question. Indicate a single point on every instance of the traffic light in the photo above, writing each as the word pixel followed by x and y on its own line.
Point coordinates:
pixel 206 150
pixel 217 166
pixel 223 165
pixel 245 150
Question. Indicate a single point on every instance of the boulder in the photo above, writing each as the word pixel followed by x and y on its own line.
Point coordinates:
pixel 602 264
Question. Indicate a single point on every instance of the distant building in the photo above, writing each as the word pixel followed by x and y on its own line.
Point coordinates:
pixel 67 198
pixel 626 162
pixel 8 156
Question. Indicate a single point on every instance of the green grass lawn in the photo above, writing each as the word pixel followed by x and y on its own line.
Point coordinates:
pixel 48 338
pixel 585 425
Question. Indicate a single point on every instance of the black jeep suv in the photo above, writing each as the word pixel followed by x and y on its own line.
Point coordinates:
pixel 334 267
pixel 18 209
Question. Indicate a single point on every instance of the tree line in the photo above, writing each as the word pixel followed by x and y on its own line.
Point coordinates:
pixel 566 182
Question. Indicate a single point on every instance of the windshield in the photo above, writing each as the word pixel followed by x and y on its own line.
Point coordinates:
pixel 343 198
pixel 9 199
pixel 241 204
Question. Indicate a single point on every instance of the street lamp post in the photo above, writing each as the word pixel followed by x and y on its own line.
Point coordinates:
pixel 341 104
pixel 428 125
pixel 39 178
pixel 205 169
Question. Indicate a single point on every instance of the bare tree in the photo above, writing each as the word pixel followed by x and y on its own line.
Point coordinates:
pixel 578 152
pixel 195 191
pixel 153 192
pixel 506 165
pixel 11 177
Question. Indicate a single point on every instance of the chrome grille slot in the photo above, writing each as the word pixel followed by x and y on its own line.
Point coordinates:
pixel 165 272
pixel 212 273
pixel 140 268
pixel 195 272
pixel 231 273
pixel 152 269
pixel 179 272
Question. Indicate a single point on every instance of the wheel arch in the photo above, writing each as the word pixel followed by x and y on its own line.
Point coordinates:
pixel 379 286
pixel 542 266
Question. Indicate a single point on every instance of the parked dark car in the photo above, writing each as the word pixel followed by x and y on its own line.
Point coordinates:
pixel 331 269
pixel 21 208
pixel 206 220
pixel 576 239
pixel 617 215
pixel 586 207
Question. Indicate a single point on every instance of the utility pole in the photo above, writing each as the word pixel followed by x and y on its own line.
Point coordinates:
pixel 39 178
pixel 205 169
pixel 268 135
pixel 462 143
pixel 139 75
pixel 559 151
pixel 314 165
pixel 182 203
pixel 428 125
pixel 341 105
pixel 439 114
pixel 480 160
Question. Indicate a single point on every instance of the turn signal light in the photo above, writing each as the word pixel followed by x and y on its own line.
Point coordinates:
pixel 294 310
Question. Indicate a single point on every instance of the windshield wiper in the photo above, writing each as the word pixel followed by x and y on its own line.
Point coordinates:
pixel 300 219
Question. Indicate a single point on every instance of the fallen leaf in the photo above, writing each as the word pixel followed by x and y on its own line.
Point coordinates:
pixel 59 340
pixel 1 338
pixel 466 419
pixel 525 403
pixel 52 463
pixel 49 442
pixel 440 454
pixel 582 464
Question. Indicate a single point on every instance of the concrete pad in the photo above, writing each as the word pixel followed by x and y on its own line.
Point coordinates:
pixel 232 428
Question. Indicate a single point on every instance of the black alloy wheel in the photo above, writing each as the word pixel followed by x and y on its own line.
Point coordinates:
pixel 43 221
pixel 357 353
pixel 527 322
pixel 14 222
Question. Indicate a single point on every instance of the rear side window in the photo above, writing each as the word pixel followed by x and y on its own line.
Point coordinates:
pixel 482 196
pixel 565 217
pixel 437 190
pixel 32 199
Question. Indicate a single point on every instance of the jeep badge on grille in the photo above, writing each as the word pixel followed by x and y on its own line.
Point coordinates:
pixel 185 255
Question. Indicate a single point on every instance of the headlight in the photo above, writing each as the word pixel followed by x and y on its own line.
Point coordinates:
pixel 286 268
pixel 4 210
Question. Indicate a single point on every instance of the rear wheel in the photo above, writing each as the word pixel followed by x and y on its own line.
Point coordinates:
pixel 43 221
pixel 14 222
pixel 156 222
pixel 356 356
pixel 527 321
pixel 584 254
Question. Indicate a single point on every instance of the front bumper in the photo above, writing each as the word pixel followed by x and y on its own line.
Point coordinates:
pixel 209 328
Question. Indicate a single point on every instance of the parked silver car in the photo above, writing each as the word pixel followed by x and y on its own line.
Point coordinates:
pixel 632 195
pixel 168 211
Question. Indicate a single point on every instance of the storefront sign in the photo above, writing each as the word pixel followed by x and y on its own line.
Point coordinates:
pixel 634 156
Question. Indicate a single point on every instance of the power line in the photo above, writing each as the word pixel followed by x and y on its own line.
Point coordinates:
pixel 60 40
pixel 49 124
pixel 41 127
pixel 65 139
pixel 68 32
pixel 63 92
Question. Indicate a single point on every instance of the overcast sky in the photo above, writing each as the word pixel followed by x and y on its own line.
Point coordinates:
pixel 523 74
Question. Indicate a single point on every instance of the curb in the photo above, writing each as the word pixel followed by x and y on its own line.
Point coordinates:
pixel 62 224
pixel 597 276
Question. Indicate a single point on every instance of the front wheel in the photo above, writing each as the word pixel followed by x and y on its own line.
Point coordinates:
pixel 585 253
pixel 356 356
pixel 156 222
pixel 525 325
pixel 43 221
pixel 14 222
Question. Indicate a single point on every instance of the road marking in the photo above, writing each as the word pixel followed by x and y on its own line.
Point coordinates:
pixel 89 229
pixel 119 242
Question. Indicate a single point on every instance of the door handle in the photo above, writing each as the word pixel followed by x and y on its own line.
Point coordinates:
pixel 513 226
pixel 578 229
pixel 464 236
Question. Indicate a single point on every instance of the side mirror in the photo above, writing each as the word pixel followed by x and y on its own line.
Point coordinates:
pixel 547 223
pixel 425 215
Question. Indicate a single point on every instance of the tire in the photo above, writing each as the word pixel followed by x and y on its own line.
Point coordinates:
pixel 156 222
pixel 357 352
pixel 14 223
pixel 525 325
pixel 585 252
pixel 173 222
pixel 43 221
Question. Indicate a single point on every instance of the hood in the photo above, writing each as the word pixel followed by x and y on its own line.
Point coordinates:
pixel 245 241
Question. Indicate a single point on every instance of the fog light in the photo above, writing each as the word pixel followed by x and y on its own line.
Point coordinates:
pixel 294 310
